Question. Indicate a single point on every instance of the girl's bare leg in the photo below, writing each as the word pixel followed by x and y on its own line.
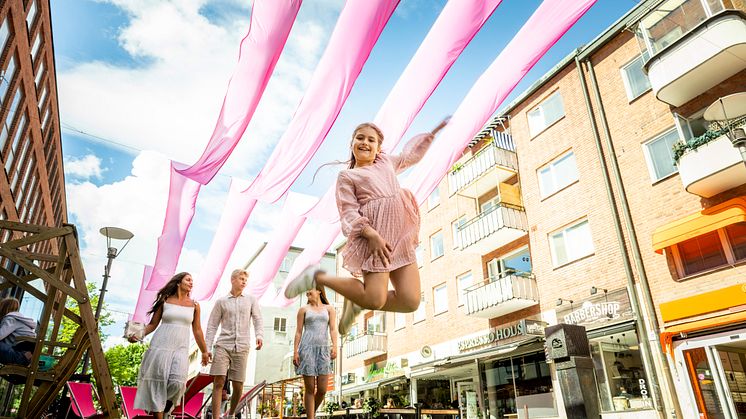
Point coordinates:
pixel 322 382
pixel 309 395
pixel 370 294
pixel 405 298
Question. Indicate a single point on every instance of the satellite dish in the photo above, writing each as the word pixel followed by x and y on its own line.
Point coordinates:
pixel 426 351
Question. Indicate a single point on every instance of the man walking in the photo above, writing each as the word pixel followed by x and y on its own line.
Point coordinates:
pixel 233 313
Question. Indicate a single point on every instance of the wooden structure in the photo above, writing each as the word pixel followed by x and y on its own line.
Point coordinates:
pixel 273 399
pixel 51 254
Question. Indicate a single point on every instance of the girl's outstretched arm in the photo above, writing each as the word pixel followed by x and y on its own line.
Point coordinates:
pixel 416 148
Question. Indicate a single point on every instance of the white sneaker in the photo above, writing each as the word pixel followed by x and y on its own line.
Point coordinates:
pixel 304 282
pixel 350 311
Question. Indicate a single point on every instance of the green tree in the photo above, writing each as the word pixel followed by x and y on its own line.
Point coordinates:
pixel 124 363
pixel 69 327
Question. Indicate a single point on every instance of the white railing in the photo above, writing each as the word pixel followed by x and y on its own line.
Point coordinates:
pixel 491 221
pixel 494 154
pixel 374 342
pixel 500 290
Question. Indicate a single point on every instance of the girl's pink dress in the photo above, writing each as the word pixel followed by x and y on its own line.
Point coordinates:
pixel 371 196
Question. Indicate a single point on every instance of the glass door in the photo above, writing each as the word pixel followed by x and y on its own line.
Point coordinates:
pixel 467 399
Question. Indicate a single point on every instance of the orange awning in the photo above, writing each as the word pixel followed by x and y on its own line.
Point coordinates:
pixel 708 220
pixel 670 332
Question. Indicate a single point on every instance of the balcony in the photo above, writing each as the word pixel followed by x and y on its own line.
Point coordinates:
pixel 501 296
pixel 693 45
pixel 712 168
pixel 492 160
pixel 493 228
pixel 367 345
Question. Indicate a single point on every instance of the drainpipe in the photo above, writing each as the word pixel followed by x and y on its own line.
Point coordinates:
pixel 633 297
pixel 671 401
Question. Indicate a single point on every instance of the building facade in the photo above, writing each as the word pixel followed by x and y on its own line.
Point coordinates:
pixel 626 206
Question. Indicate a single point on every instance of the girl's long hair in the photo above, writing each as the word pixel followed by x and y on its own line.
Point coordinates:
pixel 322 295
pixel 351 161
pixel 8 305
pixel 168 290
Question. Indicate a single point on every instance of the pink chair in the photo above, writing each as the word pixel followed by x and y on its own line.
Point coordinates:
pixel 81 401
pixel 128 404
pixel 191 409
pixel 246 398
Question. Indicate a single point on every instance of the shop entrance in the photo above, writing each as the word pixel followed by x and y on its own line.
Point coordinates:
pixel 717 376
pixel 467 399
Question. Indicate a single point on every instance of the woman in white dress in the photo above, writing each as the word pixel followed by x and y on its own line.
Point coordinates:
pixel 163 373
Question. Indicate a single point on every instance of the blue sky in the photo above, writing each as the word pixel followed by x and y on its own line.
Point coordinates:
pixel 148 80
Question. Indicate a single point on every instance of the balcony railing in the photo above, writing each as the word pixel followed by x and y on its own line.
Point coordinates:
pixel 503 295
pixel 491 156
pixel 369 345
pixel 498 218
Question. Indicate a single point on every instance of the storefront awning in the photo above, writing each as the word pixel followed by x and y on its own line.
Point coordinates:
pixel 361 387
pixel 724 320
pixel 708 220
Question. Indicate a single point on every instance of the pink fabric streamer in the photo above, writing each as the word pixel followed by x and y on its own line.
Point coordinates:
pixel 543 29
pixel 145 299
pixel 238 206
pixel 260 49
pixel 356 32
pixel 182 198
pixel 452 31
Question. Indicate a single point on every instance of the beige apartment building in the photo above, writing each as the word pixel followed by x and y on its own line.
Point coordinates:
pixel 608 195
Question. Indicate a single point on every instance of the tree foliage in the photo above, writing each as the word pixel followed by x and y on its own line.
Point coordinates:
pixel 69 327
pixel 124 363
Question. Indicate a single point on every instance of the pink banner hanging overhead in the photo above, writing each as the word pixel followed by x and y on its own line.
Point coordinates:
pixel 182 198
pixel 145 299
pixel 545 27
pixel 356 32
pixel 271 21
pixel 452 31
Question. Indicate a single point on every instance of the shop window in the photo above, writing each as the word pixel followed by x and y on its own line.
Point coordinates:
pixel 635 80
pixel 547 113
pixel 571 243
pixel 419 314
pixel 464 282
pixel 434 199
pixel 558 174
pixel 518 381
pixel 659 155
pixel 620 374
pixel 436 245
pixel 701 253
pixel 440 299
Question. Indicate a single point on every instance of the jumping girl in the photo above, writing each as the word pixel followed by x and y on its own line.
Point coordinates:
pixel 381 222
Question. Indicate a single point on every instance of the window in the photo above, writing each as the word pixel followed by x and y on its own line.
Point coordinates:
pixel 635 80
pixel 693 126
pixel 418 254
pixel 36 46
pixel 434 199
pixel 547 113
pixel 440 299
pixel 722 247
pixel 454 231
pixel 7 77
pixel 436 245
pixel 43 97
pixel 558 174
pixel 4 34
pixel 376 323
pixel 671 20
pixel 286 264
pixel 39 74
pixel 463 281
pixel 280 324
pixel 571 243
pixel 659 155
pixel 400 321
pixel 620 372
pixel 512 382
pixel 419 314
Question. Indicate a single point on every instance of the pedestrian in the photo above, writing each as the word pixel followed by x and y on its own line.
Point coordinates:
pixel 234 314
pixel 161 382
pixel 312 354
pixel 381 222
pixel 15 325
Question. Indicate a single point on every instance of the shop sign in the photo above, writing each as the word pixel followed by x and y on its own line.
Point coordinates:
pixel 599 311
pixel 501 334
pixel 388 370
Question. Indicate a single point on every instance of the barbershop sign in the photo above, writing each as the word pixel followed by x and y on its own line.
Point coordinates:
pixel 503 334
pixel 599 311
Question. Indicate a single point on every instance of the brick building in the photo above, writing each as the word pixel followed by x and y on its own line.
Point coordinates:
pixel 635 227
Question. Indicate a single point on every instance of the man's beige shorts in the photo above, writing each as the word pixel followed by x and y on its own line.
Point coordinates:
pixel 229 363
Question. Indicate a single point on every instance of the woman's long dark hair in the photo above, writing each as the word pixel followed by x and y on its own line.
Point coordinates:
pixel 168 290
pixel 322 295
pixel 351 161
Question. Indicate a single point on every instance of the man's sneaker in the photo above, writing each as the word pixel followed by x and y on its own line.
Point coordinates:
pixel 304 282
pixel 350 311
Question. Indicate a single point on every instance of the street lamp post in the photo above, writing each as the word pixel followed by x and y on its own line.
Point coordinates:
pixel 111 233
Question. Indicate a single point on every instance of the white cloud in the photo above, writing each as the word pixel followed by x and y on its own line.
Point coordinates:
pixel 86 167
